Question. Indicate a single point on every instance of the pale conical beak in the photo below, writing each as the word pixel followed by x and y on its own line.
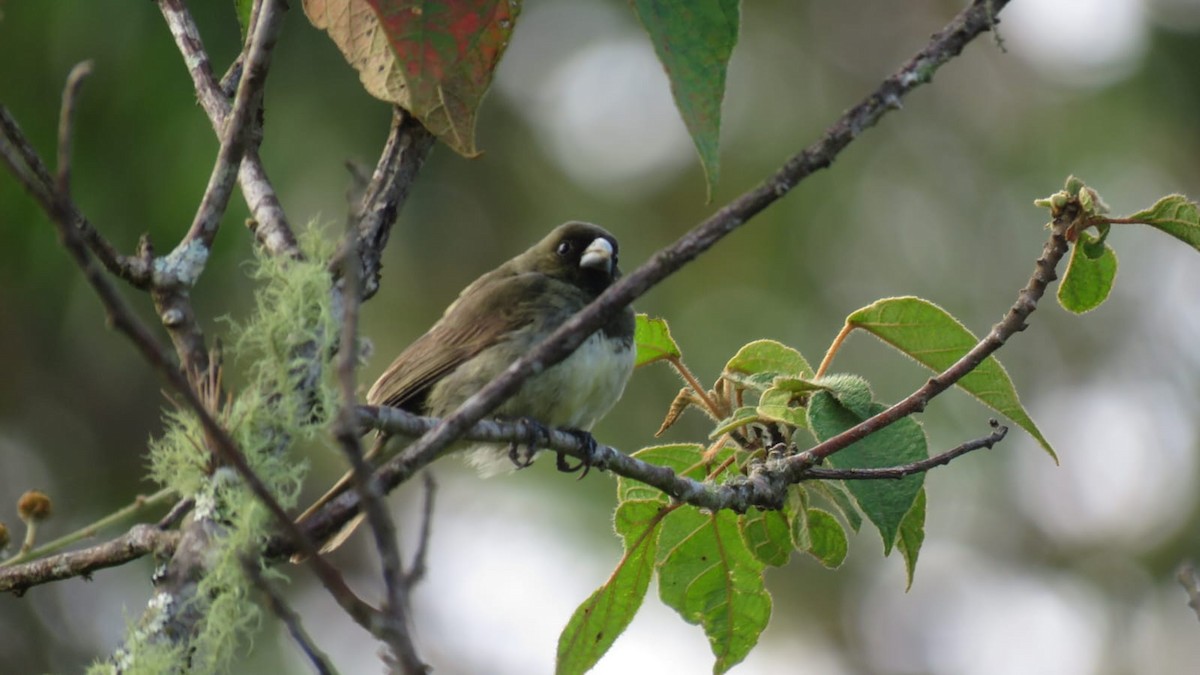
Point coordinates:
pixel 598 256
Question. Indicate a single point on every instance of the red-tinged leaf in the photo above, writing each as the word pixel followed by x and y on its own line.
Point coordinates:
pixel 448 51
pixel 434 59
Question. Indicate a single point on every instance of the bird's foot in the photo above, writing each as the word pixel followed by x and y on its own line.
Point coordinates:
pixel 537 435
pixel 589 448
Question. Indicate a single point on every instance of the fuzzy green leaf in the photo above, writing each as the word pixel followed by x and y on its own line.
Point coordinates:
pixel 740 418
pixel 929 335
pixel 654 341
pixel 711 578
pixel 769 357
pixel 885 503
pixel 912 535
pixel 1176 215
pixel 601 619
pixel 767 535
pixel 1089 276
pixel 779 405
pixel 694 40
pixel 826 539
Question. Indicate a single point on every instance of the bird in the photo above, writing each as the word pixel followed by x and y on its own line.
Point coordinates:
pixel 499 317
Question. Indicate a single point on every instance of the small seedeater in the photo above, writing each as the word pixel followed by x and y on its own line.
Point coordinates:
pixel 496 319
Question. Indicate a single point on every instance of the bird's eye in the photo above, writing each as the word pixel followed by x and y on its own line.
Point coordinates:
pixel 564 248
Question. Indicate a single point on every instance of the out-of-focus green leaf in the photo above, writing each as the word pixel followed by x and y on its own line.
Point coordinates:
pixel 694 40
pixel 1089 276
pixel 653 340
pixel 929 335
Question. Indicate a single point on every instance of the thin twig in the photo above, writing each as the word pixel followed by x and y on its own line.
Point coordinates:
pixel 897 472
pixel 393 625
pixel 31 172
pixel 66 124
pixel 238 124
pixel 139 505
pixel 269 222
pixel 416 571
pixel 289 618
pixel 949 42
pixel 176 514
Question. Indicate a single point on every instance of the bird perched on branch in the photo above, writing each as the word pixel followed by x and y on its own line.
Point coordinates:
pixel 499 317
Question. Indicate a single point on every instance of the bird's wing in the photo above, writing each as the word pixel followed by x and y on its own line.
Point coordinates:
pixel 453 340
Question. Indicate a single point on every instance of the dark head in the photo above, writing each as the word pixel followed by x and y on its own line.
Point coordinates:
pixel 580 253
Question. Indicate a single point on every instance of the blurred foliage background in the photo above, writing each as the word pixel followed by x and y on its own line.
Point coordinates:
pixel 1027 567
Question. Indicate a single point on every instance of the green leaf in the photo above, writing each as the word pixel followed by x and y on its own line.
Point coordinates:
pixel 694 40
pixel 885 503
pixel 1089 276
pixel 778 405
pixel 767 535
pixel 1176 215
pixel 912 535
pixel 826 539
pixel 929 335
pixel 852 391
pixel 740 418
pixel 601 619
pixel 841 501
pixel 682 458
pixel 654 341
pixel 769 357
pixel 711 578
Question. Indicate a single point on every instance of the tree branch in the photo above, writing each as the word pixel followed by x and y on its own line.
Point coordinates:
pixel 138 541
pixel 269 223
pixel 404 153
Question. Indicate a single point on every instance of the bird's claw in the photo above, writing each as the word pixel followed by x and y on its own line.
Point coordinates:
pixel 537 434
pixel 589 449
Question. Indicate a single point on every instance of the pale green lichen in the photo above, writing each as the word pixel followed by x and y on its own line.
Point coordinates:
pixel 285 348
